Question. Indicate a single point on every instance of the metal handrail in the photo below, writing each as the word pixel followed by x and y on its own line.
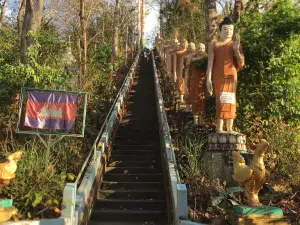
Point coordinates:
pixel 166 125
pixel 105 122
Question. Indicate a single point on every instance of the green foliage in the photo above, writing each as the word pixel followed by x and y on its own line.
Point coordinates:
pixel 201 64
pixel 14 75
pixel 284 152
pixel 39 185
pixel 189 22
pixel 269 85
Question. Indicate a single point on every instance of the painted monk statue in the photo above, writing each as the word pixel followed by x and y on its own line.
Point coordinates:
pixel 161 46
pixel 173 58
pixel 196 86
pixel 170 50
pixel 157 43
pixel 225 59
pixel 166 46
pixel 186 72
pixel 178 67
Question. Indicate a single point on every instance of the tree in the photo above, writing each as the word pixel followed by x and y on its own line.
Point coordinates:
pixel 143 41
pixel 3 11
pixel 116 28
pixel 83 42
pixel 138 27
pixel 238 7
pixel 211 21
pixel 32 23
pixel 20 19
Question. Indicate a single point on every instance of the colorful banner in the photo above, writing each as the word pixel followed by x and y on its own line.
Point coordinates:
pixel 46 110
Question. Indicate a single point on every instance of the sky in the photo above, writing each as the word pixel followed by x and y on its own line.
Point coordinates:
pixel 151 23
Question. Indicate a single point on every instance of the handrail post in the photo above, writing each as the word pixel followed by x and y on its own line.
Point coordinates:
pixel 69 201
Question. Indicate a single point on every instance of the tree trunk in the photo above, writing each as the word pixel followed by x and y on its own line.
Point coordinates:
pixel 20 19
pixel 114 52
pixel 138 28
pixel 211 21
pixel 32 22
pixel 161 23
pixel 3 11
pixel 116 28
pixel 238 8
pixel 83 43
pixel 143 41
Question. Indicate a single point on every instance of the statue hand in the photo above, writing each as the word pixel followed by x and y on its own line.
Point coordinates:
pixel 209 87
pixel 236 45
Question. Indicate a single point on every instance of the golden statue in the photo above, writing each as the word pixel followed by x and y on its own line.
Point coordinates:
pixel 9 167
pixel 251 178
pixel 7 173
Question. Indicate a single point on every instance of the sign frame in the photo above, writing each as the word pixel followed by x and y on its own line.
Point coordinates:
pixel 59 133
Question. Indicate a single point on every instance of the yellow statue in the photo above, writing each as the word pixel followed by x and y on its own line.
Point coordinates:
pixel 9 167
pixel 251 178
pixel 7 173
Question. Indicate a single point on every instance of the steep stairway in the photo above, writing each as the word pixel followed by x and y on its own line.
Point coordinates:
pixel 133 190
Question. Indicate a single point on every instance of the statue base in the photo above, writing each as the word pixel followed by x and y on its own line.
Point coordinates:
pixel 227 142
pixel 246 215
pixel 6 209
pixel 6 203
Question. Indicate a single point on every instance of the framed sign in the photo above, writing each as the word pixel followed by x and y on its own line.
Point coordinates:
pixel 52 112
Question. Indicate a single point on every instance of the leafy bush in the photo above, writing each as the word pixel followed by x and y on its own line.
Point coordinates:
pixel 284 152
pixel 269 85
pixel 40 179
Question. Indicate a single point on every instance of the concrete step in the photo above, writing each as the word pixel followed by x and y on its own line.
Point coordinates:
pixel 140 194
pixel 132 158
pixel 130 204
pixel 126 146
pixel 133 177
pixel 136 137
pixel 132 152
pixel 134 141
pixel 127 215
pixel 128 223
pixel 149 164
pixel 113 185
pixel 132 170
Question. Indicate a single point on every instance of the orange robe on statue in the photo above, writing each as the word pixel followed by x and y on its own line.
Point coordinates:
pixel 180 79
pixel 187 98
pixel 224 76
pixel 197 91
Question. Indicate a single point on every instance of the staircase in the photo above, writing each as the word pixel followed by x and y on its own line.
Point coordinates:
pixel 132 192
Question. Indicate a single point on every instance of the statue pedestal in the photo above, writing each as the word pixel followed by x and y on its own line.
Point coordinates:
pixel 227 142
pixel 246 215
pixel 220 147
pixel 6 209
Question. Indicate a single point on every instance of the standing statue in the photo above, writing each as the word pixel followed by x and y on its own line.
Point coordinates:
pixel 196 85
pixel 178 67
pixel 173 58
pixel 186 72
pixel 160 47
pixel 165 48
pixel 225 59
pixel 157 43
pixel 170 50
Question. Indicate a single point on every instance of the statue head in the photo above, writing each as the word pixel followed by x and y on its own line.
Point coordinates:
pixel 184 44
pixel 261 147
pixel 226 27
pixel 191 47
pixel 201 47
pixel 175 43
